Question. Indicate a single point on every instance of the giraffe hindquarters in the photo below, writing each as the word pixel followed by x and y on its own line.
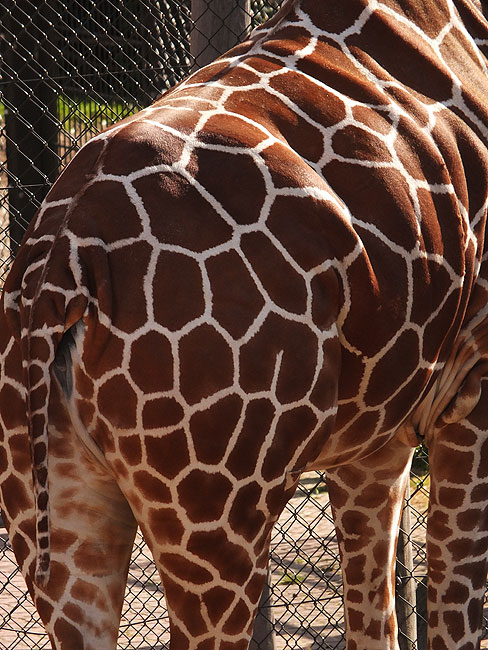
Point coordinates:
pixel 92 533
pixel 457 531
pixel 367 499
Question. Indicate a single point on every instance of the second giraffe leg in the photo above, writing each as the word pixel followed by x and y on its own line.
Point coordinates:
pixel 367 499
pixel 457 531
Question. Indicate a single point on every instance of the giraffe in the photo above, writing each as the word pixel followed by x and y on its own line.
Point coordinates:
pixel 278 266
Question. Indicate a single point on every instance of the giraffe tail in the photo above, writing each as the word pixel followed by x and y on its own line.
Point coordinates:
pixel 38 384
pixel 41 315
pixel 41 343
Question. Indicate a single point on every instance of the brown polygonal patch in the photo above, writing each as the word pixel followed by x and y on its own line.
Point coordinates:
pixel 206 364
pixel 475 614
pixel 258 359
pixel 454 621
pixel 310 230
pixel 354 142
pixel 418 155
pixel 151 488
pixel 340 74
pixel 69 636
pixel 117 402
pixel 324 394
pixel 354 570
pixel 287 39
pixel 212 429
pixel 236 300
pixel 217 601
pixel 474 571
pixel 128 267
pixel 15 496
pixel 231 560
pixel 104 351
pixel 244 517
pixel 84 384
pixel 179 214
pixel 165 525
pixel 293 428
pixel 258 418
pixel 187 607
pixel 431 281
pixel 184 569
pixel 103 436
pixel 140 145
pixel 393 368
pixel 161 412
pixel 167 454
pixel 317 102
pixel 45 609
pixel 453 465
pixel 451 497
pixel 130 448
pixel 235 181
pixel 77 172
pixel 151 363
pixel 238 619
pixel 379 38
pixel 284 285
pixel 178 290
pixel 12 407
pixel 378 287
pixel 337 17
pixel 20 453
pixel 105 208
pixel 231 130
pixel 204 495
pixel 280 119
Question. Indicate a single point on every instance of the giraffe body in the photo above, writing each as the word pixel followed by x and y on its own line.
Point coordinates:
pixel 278 266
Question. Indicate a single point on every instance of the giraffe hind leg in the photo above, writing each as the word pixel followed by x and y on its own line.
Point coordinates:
pixel 457 530
pixel 212 585
pixel 367 498
pixel 92 533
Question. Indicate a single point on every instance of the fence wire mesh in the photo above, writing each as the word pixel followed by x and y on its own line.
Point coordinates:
pixel 70 68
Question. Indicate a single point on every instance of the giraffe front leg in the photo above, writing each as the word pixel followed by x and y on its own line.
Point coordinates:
pixel 457 531
pixel 367 499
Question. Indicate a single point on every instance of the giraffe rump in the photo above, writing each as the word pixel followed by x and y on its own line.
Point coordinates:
pixel 278 266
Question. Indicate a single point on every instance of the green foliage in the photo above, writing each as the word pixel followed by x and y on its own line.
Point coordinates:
pixel 74 113
pixel 290 577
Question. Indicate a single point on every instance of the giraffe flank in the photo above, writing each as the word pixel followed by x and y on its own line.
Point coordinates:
pixel 278 266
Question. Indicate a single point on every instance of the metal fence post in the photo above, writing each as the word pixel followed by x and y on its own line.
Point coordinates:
pixel 218 26
pixel 405 583
pixel 263 633
pixel 31 122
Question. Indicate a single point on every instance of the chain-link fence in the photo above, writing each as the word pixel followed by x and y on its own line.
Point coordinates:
pixel 68 69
